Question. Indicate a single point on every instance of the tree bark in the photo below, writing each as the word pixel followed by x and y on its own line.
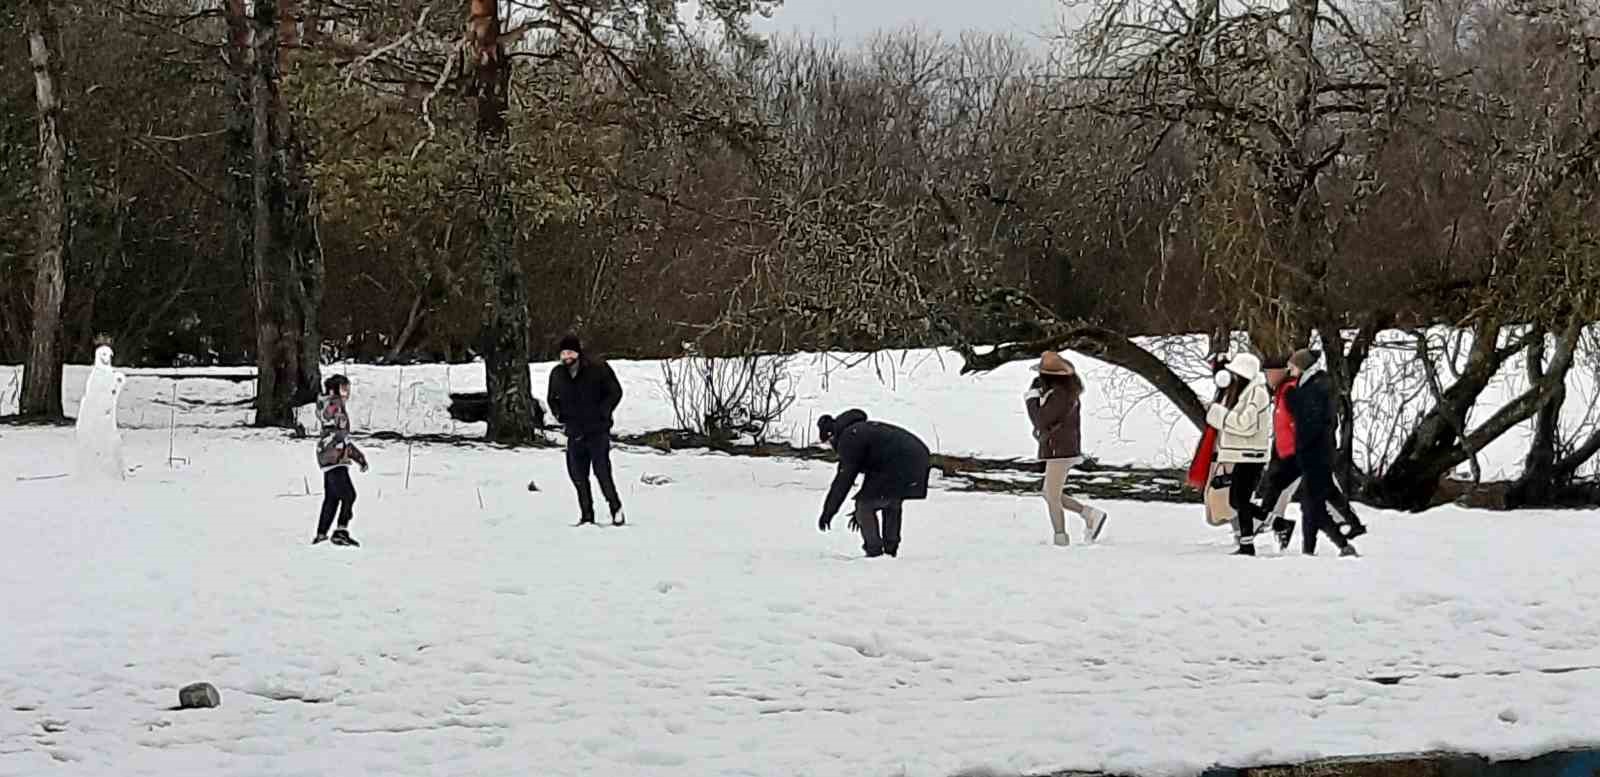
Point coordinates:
pixel 238 140
pixel 267 201
pixel 285 254
pixel 87 294
pixel 1538 483
pixel 505 309
pixel 1435 446
pixel 41 373
pixel 1344 366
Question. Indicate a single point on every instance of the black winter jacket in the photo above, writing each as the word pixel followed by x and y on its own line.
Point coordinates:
pixel 1311 406
pixel 894 461
pixel 585 403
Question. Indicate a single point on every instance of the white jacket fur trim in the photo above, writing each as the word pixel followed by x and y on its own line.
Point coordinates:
pixel 1246 429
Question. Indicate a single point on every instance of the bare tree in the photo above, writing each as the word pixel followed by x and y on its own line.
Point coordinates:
pixel 286 266
pixel 41 382
pixel 1537 269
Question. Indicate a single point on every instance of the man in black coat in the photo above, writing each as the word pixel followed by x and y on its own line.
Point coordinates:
pixel 895 463
pixel 1311 405
pixel 584 393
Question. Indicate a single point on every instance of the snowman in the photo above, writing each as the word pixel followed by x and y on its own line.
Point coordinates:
pixel 99 441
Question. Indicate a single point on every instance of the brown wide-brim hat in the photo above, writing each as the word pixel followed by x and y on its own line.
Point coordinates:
pixel 1052 363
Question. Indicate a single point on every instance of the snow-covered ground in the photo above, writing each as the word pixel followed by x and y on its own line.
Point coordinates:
pixel 476 633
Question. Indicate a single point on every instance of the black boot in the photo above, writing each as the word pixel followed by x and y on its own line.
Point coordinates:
pixel 319 539
pixel 1283 529
pixel 1245 550
pixel 342 537
pixel 1349 551
pixel 617 518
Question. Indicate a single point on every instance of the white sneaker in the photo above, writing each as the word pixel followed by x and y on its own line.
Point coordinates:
pixel 1094 522
pixel 1062 540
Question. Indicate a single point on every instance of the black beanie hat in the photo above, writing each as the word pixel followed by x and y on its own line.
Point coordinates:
pixel 1305 358
pixel 572 343
pixel 333 383
pixel 825 427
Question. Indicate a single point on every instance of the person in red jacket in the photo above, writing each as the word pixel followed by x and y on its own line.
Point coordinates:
pixel 1283 477
pixel 1310 423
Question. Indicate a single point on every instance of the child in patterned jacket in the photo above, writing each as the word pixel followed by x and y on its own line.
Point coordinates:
pixel 335 453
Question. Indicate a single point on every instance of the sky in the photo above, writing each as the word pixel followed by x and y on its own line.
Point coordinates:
pixel 853 20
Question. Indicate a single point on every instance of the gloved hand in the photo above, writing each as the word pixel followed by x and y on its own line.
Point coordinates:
pixel 1223 379
pixel 855 527
pixel 363 466
pixel 825 523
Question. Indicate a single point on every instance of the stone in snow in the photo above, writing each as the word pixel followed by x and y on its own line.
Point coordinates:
pixel 199 696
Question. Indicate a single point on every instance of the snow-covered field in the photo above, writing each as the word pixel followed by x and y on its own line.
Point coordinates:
pixel 476 633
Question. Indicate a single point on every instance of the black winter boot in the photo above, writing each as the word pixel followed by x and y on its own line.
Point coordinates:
pixel 342 537
pixel 1283 530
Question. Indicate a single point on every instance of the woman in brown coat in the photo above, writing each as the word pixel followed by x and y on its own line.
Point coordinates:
pixel 1053 405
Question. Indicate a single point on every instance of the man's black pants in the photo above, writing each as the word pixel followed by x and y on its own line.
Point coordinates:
pixel 591 451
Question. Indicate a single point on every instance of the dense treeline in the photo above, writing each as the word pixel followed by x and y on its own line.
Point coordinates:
pixel 252 182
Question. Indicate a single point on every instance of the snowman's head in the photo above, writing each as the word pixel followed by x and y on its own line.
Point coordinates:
pixel 102 356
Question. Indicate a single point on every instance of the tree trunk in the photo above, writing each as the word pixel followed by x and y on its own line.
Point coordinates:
pixel 414 317
pixel 505 310
pixel 41 374
pixel 238 139
pixel 306 269
pixel 1537 482
pixel 1436 445
pixel 286 256
pixel 98 266
pixel 267 201
pixel 1344 366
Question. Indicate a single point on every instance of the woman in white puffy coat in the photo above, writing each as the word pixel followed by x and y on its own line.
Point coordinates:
pixel 1245 440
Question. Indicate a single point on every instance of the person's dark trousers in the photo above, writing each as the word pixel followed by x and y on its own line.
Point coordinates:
pixel 1341 506
pixel 872 542
pixel 586 452
pixel 338 497
pixel 1246 477
pixel 1315 485
pixel 1281 474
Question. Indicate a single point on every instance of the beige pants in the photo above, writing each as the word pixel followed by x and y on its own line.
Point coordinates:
pixel 1055 495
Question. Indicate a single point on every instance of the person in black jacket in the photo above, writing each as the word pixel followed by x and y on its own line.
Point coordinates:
pixel 1311 405
pixel 584 394
pixel 895 463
